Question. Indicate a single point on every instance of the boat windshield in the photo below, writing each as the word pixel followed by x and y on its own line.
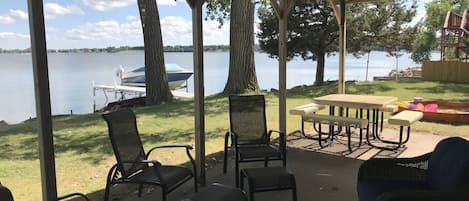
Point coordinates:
pixel 169 67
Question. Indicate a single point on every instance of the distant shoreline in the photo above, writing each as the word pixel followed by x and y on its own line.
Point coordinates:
pixel 177 48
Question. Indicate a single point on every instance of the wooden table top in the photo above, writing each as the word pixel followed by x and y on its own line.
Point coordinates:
pixel 355 101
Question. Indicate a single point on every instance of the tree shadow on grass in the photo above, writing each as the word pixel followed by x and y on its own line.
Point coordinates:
pixel 352 88
pixel 446 87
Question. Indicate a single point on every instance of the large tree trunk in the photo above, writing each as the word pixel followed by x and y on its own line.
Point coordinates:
pixel 320 68
pixel 242 73
pixel 157 89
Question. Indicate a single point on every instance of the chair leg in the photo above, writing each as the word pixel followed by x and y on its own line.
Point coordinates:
pixel 295 196
pixel 266 161
pixel 195 184
pixel 225 153
pixel 284 159
pixel 106 192
pixel 236 169
pixel 140 189
pixel 163 192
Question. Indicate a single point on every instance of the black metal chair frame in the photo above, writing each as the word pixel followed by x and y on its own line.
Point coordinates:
pixel 118 175
pixel 266 142
pixel 71 195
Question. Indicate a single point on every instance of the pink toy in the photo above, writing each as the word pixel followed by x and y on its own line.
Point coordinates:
pixel 431 107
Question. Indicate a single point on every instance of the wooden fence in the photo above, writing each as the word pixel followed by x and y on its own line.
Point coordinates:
pixel 454 71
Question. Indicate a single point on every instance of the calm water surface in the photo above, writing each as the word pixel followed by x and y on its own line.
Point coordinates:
pixel 72 76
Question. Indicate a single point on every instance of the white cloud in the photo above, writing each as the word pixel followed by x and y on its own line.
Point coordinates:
pixel 106 5
pixel 178 31
pixel 5 19
pixel 175 31
pixel 105 30
pixel 19 14
pixel 130 18
pixel 52 10
pixel 11 35
pixel 166 2
pixel 213 35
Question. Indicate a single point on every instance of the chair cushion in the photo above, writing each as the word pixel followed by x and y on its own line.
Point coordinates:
pixel 258 152
pixel 171 175
pixel 369 190
pixel 448 165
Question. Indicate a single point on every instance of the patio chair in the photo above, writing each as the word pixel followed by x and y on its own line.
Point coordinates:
pixel 133 165
pixel 6 195
pixel 249 136
pixel 441 175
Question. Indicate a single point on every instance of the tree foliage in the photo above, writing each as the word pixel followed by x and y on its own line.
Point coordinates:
pixel 384 26
pixel 313 32
pixel 436 11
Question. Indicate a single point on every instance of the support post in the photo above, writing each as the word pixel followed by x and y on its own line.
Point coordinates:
pixel 42 94
pixel 282 10
pixel 198 52
pixel 342 47
pixel 282 84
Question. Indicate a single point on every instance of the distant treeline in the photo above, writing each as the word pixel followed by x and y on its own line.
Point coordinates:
pixel 177 48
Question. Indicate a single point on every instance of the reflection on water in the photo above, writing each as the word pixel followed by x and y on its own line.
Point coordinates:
pixel 71 76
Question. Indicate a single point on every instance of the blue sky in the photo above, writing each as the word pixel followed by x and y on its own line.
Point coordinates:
pixel 103 23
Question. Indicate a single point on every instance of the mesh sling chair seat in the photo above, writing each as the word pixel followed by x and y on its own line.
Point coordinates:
pixel 133 165
pixel 248 133
pixel 442 175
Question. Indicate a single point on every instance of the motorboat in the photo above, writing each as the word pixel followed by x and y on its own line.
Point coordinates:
pixel 176 75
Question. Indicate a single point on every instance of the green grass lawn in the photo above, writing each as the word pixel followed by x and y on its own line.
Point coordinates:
pixel 84 154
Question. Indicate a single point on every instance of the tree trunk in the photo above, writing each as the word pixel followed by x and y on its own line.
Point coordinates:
pixel 157 89
pixel 242 73
pixel 320 68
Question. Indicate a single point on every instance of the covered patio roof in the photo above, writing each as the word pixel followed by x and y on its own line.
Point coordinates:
pixel 42 92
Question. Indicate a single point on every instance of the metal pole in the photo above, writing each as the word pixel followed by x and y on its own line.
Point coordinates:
pixel 42 93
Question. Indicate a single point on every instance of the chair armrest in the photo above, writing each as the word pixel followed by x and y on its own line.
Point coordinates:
pixel 188 148
pixel 423 195
pixel 188 153
pixel 282 138
pixel 154 162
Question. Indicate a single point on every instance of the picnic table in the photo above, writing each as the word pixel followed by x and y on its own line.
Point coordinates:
pixel 360 102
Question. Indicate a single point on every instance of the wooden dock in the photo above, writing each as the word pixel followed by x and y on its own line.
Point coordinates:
pixel 120 92
pixel 139 91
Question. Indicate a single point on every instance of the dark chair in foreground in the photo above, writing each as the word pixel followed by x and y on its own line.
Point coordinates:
pixel 133 165
pixel 248 133
pixel 6 195
pixel 442 175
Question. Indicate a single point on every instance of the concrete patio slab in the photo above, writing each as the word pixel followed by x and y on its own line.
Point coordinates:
pixel 322 174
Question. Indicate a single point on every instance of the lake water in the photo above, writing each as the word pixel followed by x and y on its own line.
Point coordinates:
pixel 71 76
